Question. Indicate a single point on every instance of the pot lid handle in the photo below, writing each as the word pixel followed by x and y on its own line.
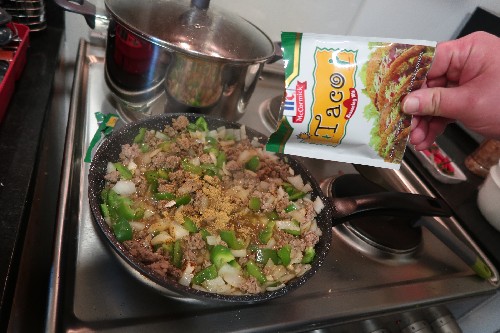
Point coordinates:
pixel 83 7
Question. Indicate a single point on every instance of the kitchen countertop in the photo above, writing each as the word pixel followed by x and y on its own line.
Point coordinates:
pixel 22 137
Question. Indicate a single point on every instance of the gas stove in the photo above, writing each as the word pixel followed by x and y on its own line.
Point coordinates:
pixel 366 284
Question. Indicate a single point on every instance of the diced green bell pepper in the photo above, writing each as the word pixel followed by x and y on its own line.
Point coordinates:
pixel 293 193
pixel 165 146
pixel 105 210
pixel 273 215
pixel 125 210
pixel 183 200
pixel 221 158
pixel 125 173
pixel 177 254
pixel 122 229
pixel 144 147
pixel 290 208
pixel 293 231
pixel 263 255
pixel 253 163
pixel 266 234
pixel 211 141
pixel 139 138
pixel 204 233
pixel 284 254
pixel 254 204
pixel 201 124
pixel 168 248
pixel 208 273
pixel 254 270
pixel 164 196
pixel 219 255
pixel 229 237
pixel 151 176
pixel 189 225
pixel 309 254
pixel 189 167
pixel 210 169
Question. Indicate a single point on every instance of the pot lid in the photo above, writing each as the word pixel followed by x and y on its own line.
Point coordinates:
pixel 193 28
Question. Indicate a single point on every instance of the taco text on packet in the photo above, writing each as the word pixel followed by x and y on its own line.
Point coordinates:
pixel 342 97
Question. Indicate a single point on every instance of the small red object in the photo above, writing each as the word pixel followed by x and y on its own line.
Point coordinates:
pixel 15 69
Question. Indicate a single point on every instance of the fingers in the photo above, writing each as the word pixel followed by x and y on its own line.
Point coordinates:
pixel 438 102
pixel 425 130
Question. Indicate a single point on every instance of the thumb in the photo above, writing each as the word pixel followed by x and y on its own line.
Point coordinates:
pixel 438 102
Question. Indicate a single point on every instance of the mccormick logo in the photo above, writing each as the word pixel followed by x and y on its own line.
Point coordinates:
pixel 294 104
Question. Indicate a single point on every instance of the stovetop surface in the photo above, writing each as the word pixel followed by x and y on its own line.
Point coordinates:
pixel 92 290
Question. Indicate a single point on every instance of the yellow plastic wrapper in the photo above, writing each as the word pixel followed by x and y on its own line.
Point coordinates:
pixel 342 99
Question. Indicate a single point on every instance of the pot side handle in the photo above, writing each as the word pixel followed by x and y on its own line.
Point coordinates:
pixel 387 203
pixel 85 8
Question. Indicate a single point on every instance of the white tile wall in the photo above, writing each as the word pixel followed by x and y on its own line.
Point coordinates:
pixel 417 19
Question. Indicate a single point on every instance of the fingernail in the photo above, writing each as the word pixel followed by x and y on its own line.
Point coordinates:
pixel 414 122
pixel 410 106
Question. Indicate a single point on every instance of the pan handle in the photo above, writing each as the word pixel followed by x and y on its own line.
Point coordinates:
pixel 387 203
pixel 87 9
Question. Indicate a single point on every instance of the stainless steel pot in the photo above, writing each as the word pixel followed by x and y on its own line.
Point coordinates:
pixel 206 60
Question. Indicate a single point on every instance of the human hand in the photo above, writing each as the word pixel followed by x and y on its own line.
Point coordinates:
pixel 462 84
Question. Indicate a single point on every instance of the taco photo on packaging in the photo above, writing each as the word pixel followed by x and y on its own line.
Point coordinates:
pixel 342 98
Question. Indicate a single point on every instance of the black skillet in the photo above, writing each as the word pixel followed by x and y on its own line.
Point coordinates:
pixel 110 149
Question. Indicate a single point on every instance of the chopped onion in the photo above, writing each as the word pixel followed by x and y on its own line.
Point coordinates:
pixel 110 167
pixel 237 135
pixel 212 240
pixel 225 170
pixel 148 213
pixel 187 275
pixel 212 134
pixel 287 225
pixel 243 133
pixel 178 231
pixel 158 226
pixel 137 225
pixel 226 143
pixel 195 161
pixel 318 205
pixel 239 253
pixel 245 155
pixel 278 287
pixel 231 275
pixel 161 136
pixel 297 182
pixel 299 215
pixel 161 238
pixel 221 132
pixel 213 158
pixel 307 188
pixel 132 166
pixel 124 187
pixel 217 285
pixel 229 133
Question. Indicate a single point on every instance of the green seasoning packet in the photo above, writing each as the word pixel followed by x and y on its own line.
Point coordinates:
pixel 342 97
pixel 106 123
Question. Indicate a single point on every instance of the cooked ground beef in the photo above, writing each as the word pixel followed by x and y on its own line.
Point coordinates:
pixel 192 192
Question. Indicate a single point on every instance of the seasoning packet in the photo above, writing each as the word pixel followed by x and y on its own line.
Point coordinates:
pixel 107 123
pixel 342 97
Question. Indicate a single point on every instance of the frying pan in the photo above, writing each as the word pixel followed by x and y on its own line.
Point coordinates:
pixel 110 149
